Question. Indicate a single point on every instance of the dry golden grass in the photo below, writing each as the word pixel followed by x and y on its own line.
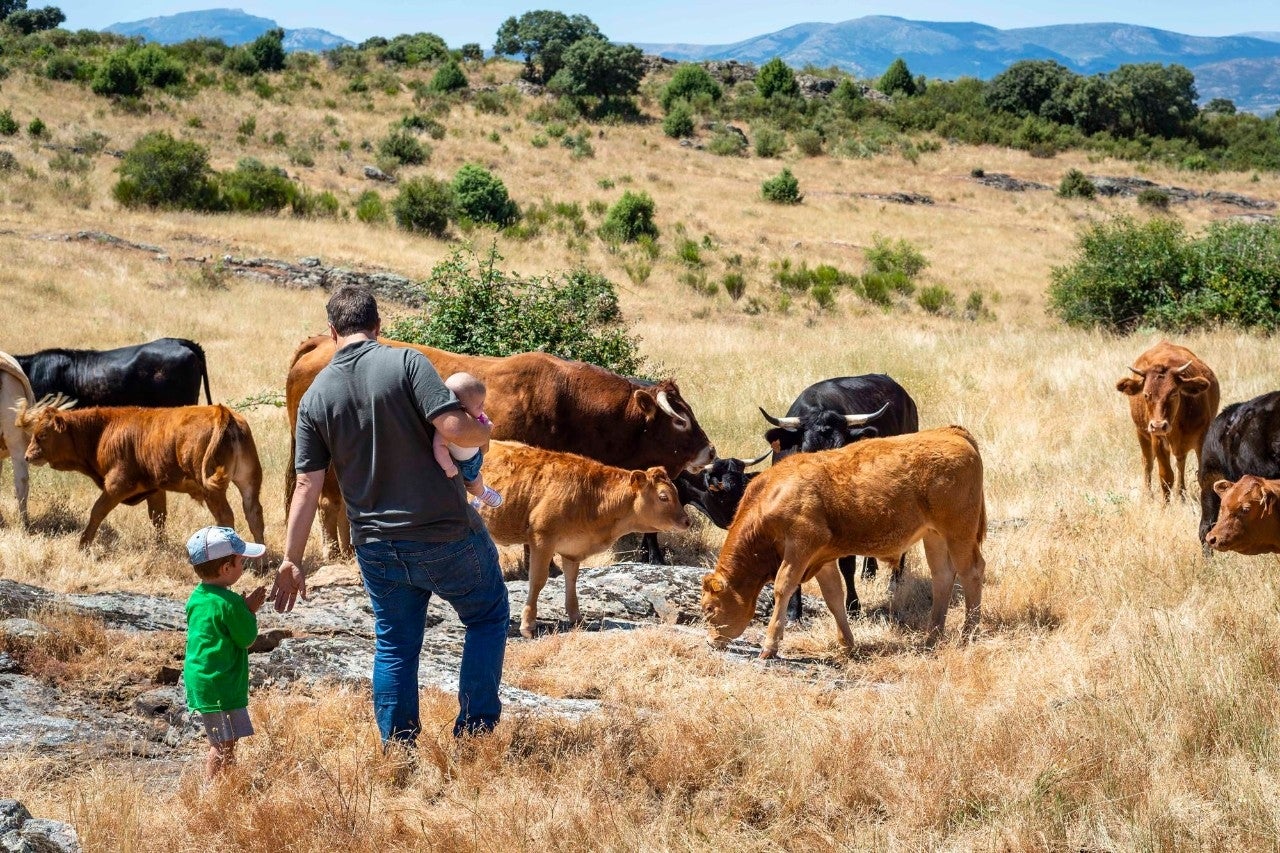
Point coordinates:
pixel 1122 695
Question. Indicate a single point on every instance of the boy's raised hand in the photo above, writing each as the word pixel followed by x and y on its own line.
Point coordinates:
pixel 255 599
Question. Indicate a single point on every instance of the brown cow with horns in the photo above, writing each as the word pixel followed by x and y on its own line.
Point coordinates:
pixel 1173 397
pixel 541 400
pixel 877 497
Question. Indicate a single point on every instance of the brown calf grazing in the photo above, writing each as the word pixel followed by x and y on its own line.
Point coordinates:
pixel 541 400
pixel 1173 398
pixel 561 503
pixel 877 497
pixel 1249 518
pixel 136 454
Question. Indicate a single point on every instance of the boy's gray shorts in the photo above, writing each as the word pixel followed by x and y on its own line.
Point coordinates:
pixel 223 726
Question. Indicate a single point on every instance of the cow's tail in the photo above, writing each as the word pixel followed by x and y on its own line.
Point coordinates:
pixel 226 431
pixel 204 375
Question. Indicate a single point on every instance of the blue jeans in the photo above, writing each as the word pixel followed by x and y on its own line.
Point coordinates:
pixel 400 578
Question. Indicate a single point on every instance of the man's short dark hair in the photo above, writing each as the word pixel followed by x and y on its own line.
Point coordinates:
pixel 352 309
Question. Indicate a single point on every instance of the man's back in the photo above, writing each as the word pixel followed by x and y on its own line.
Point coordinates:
pixel 369 412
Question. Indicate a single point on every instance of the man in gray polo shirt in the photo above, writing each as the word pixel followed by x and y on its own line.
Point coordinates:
pixel 372 414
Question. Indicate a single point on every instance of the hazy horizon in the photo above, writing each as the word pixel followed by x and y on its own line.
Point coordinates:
pixel 666 21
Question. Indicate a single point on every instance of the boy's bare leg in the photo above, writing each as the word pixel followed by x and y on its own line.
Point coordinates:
pixel 219 758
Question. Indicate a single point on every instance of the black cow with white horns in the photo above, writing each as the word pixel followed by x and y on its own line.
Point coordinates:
pixel 831 414
pixel 164 372
pixel 715 490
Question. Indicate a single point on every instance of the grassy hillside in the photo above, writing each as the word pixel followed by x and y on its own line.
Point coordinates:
pixel 1122 695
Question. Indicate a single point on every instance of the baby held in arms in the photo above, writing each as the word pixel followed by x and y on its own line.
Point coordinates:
pixel 466 461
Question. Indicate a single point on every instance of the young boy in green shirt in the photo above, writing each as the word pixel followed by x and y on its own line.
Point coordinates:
pixel 221 626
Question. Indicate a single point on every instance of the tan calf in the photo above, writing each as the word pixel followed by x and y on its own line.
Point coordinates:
pixel 877 497
pixel 561 503
pixel 1249 519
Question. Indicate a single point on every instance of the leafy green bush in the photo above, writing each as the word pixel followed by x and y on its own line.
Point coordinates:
pixel 1156 199
pixel 8 125
pixel 897 79
pixel 769 141
pixel 480 196
pixel 448 78
pixel 162 172
pixel 734 284
pixel 782 188
pixel 776 80
pixel 402 149
pixel 157 68
pixel 889 256
pixel 370 209
pixel 1075 184
pixel 688 82
pixel 254 187
pixel 879 287
pixel 419 123
pixel 322 205
pixel 630 219
pixel 809 142
pixel 936 299
pixel 473 307
pixel 727 143
pixel 688 253
pixel 63 66
pixel 424 204
pixel 117 76
pixel 679 121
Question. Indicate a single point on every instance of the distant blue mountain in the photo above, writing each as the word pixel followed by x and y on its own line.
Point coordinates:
pixel 233 26
pixel 1244 68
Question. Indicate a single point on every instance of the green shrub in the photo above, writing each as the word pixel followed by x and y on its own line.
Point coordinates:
pixel 734 284
pixel 809 142
pixel 539 141
pixel 157 68
pixel 688 253
pixel 8 125
pixel 474 307
pixel 117 76
pixel 424 204
pixel 63 66
pixel 423 124
pixel 578 144
pixel 889 256
pixel 936 299
pixel 162 172
pixel 879 287
pixel 240 61
pixel 630 219
pixel 1153 198
pixel 679 121
pixel 401 148
pixel 782 188
pixel 370 209
pixel 448 78
pixel 322 205
pixel 776 80
pixel 254 187
pixel 267 51
pixel 727 143
pixel 480 196
pixel 769 142
pixel 687 83
pixel 489 102
pixel 1075 184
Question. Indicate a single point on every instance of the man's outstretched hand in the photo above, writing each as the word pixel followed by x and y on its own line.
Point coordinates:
pixel 289 584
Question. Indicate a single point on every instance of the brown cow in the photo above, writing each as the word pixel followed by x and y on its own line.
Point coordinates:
pixel 1173 398
pixel 876 497
pixel 136 454
pixel 541 400
pixel 561 503
pixel 1249 519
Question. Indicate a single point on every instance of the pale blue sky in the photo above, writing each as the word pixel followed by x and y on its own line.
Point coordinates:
pixel 714 22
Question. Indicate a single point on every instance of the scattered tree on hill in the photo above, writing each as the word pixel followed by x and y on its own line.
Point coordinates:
pixel 412 49
pixel 448 78
pixel 630 219
pixel 27 21
pixel 1160 100
pixel 595 68
pixel 424 204
pixel 267 50
pixel 782 188
pixel 117 76
pixel 471 52
pixel 776 79
pixel 1029 87
pixel 688 82
pixel 1220 106
pixel 481 196
pixel 897 78
pixel 543 36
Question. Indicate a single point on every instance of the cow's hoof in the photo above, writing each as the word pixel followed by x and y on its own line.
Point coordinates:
pixel 529 630
pixel 768 654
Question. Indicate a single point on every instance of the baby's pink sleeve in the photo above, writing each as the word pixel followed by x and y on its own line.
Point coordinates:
pixel 440 448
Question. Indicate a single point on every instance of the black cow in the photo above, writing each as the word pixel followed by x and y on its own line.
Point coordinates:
pixel 716 490
pixel 831 414
pixel 1243 439
pixel 164 372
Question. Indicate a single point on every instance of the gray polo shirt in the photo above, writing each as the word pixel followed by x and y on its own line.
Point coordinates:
pixel 369 414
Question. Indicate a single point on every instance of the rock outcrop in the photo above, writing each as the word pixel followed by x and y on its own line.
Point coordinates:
pixel 22 833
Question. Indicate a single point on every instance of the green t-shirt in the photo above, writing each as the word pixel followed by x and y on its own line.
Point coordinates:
pixel 220 629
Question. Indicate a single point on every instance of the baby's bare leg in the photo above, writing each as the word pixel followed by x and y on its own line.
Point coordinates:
pixel 476 486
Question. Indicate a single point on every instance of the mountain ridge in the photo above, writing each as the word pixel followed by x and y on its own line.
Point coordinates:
pixel 233 26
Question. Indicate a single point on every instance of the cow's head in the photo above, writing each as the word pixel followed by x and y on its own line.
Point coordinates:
pixel 1247 507
pixel 656 504
pixel 819 430
pixel 727 477
pixel 46 424
pixel 671 427
pixel 725 610
pixel 1162 388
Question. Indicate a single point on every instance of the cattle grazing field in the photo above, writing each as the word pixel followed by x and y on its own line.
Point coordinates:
pixel 1121 690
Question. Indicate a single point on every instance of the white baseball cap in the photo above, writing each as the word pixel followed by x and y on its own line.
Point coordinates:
pixel 214 543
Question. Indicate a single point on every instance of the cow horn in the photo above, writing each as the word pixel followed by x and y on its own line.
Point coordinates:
pixel 665 405
pixel 747 463
pixel 859 420
pixel 785 423
pixel 1139 372
pixel 1178 370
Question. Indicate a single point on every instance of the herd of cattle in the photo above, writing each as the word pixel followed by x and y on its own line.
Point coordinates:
pixel 584 456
